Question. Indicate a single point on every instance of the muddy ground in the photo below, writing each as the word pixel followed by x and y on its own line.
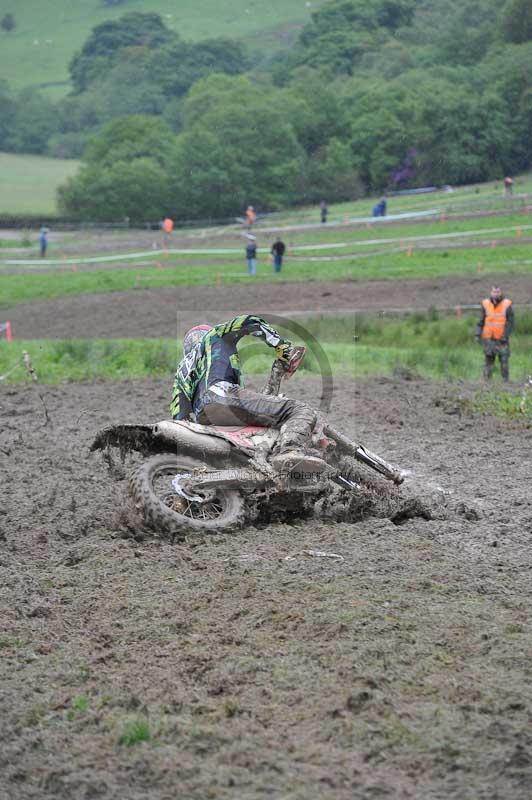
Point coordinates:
pixel 401 671
pixel 160 312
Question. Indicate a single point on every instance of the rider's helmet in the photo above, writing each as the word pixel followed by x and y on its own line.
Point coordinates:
pixel 194 336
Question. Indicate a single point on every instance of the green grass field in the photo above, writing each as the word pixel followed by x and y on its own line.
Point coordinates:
pixel 47 35
pixel 426 345
pixel 89 359
pixel 435 231
pixel 28 183
pixel 418 345
pixel 23 288
pixel 463 199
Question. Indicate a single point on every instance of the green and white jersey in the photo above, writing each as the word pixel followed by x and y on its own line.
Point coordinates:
pixel 215 360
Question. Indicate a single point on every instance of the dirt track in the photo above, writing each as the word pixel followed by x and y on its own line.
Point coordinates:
pixel 158 312
pixel 402 671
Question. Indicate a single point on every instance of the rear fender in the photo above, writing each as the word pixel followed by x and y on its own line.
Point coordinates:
pixel 125 437
pixel 187 437
pixel 164 437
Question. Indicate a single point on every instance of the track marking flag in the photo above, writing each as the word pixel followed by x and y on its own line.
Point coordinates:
pixel 5 327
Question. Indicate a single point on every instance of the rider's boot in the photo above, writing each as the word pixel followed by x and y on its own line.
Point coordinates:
pixel 292 458
pixel 297 464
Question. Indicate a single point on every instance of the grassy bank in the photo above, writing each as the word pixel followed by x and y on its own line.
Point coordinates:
pixel 499 226
pixel 424 330
pixel 325 240
pixel 435 354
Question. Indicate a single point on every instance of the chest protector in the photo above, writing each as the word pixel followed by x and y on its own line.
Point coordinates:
pixel 495 318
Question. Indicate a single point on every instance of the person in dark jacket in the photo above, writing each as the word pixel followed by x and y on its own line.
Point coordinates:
pixel 278 251
pixel 494 329
pixel 379 210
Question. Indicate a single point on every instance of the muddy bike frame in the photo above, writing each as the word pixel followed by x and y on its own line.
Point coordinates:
pixel 262 473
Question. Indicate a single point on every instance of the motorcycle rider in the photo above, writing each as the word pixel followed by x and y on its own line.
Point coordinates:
pixel 208 389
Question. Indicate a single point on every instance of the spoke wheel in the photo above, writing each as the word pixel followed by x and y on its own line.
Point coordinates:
pixel 166 511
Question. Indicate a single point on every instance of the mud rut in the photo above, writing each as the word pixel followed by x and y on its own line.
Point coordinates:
pixel 402 670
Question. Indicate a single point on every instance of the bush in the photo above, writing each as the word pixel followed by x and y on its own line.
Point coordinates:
pixel 137 190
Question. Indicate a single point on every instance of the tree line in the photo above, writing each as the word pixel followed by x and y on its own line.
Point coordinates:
pixel 373 95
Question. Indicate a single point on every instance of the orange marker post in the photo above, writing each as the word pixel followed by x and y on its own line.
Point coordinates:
pixel 9 334
pixel 410 250
pixel 519 233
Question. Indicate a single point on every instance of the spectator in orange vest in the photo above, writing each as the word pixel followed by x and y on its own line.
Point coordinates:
pixel 250 217
pixel 494 329
pixel 167 226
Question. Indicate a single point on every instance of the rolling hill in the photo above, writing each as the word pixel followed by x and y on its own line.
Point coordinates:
pixel 49 32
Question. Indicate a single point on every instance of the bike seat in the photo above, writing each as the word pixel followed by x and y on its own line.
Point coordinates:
pixel 246 429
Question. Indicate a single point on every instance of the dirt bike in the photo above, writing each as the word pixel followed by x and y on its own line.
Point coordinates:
pixel 200 478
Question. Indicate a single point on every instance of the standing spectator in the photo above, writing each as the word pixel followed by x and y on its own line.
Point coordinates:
pixel 323 211
pixel 508 186
pixel 43 240
pixel 379 210
pixel 168 226
pixel 250 217
pixel 278 251
pixel 251 255
pixel 494 329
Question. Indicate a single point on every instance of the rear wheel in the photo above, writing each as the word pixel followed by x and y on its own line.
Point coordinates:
pixel 165 510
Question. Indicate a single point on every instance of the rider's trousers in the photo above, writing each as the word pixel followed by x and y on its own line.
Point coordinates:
pixel 238 406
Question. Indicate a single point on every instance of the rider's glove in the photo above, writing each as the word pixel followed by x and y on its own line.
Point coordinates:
pixel 283 352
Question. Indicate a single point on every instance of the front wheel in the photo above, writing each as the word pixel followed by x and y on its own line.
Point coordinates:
pixel 165 510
